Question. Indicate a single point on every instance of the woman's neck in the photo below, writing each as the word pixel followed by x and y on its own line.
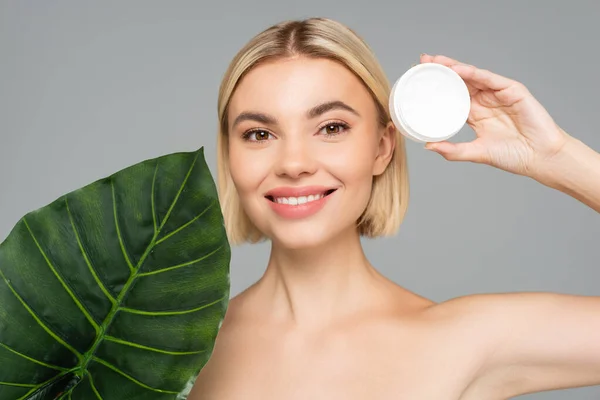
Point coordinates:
pixel 312 287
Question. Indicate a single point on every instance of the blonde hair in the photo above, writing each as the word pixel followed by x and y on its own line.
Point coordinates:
pixel 315 38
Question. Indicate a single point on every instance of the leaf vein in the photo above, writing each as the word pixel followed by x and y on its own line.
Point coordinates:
pixel 32 359
pixel 131 378
pixel 186 224
pixel 94 387
pixel 152 198
pixel 86 258
pixel 159 271
pixel 64 284
pixel 140 346
pixel 119 236
pixel 168 214
pixel 40 385
pixel 38 319
pixel 27 385
pixel 167 313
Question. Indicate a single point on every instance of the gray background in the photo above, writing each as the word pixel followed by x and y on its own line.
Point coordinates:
pixel 88 88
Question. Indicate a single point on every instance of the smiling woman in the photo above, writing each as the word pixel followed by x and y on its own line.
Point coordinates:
pixel 309 159
pixel 343 100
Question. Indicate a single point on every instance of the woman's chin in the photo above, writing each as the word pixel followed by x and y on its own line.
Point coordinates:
pixel 297 239
pixel 297 242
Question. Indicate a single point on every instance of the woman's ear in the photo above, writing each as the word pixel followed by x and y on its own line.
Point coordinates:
pixel 386 147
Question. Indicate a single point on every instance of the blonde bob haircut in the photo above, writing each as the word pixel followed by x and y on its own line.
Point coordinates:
pixel 315 38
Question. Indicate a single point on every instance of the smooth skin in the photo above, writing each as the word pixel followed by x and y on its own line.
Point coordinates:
pixel 322 322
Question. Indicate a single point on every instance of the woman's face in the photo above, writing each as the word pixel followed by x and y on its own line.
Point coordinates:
pixel 304 145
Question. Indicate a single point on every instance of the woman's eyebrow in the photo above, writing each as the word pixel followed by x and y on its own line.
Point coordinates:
pixel 312 113
pixel 329 106
pixel 254 116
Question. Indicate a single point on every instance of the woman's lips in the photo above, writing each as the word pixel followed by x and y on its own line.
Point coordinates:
pixel 291 191
pixel 296 203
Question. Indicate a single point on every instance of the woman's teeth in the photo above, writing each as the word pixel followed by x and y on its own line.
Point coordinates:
pixel 294 201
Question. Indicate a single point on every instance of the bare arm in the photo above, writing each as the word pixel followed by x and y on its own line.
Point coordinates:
pixel 575 170
pixel 533 341
pixel 541 341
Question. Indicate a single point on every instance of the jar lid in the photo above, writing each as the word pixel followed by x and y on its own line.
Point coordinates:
pixel 430 103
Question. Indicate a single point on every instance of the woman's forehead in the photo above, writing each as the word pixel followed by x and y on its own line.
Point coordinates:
pixel 298 83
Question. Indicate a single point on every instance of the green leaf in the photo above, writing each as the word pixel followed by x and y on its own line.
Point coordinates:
pixel 55 389
pixel 116 290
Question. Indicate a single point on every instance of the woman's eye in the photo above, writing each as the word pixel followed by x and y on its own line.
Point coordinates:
pixel 333 129
pixel 257 136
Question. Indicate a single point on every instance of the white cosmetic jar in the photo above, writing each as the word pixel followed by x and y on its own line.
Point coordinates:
pixel 429 103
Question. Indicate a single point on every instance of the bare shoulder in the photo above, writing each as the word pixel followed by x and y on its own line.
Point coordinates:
pixel 226 355
pixel 478 322
pixel 461 334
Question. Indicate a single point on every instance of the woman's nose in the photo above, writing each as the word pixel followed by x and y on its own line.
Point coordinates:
pixel 295 158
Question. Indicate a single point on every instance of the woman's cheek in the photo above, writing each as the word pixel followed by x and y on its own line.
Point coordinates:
pixel 245 170
pixel 350 160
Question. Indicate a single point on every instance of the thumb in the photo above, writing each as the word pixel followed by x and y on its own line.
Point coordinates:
pixel 468 151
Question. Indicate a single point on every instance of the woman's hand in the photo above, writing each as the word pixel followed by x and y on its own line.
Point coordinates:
pixel 514 131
